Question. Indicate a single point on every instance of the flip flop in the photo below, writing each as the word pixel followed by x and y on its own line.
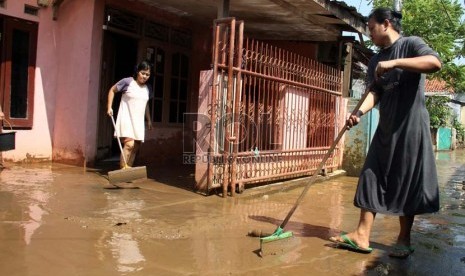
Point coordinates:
pixel 401 251
pixel 347 243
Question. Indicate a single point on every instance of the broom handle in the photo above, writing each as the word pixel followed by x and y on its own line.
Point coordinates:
pixel 119 142
pixel 325 158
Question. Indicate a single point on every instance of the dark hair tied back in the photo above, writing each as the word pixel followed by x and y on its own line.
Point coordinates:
pixel 381 14
pixel 144 65
pixel 397 15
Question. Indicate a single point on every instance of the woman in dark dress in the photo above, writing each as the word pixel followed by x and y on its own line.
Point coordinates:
pixel 399 175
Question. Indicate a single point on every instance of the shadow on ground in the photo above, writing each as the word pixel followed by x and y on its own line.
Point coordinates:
pixel 176 175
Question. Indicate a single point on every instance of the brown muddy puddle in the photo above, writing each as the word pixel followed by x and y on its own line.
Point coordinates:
pixel 60 221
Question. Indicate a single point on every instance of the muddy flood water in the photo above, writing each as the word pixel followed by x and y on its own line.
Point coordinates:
pixel 59 220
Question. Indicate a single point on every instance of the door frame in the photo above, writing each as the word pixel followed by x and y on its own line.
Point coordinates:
pixel 119 58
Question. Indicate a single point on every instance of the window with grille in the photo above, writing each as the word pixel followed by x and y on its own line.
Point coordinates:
pixel 178 91
pixel 156 56
pixel 170 61
pixel 123 21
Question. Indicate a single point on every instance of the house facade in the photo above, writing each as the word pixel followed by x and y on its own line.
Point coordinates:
pixel 445 138
pixel 60 57
pixel 70 53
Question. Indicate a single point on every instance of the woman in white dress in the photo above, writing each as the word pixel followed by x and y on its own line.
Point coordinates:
pixel 130 125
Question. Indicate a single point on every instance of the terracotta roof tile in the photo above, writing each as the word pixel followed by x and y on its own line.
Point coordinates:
pixel 437 86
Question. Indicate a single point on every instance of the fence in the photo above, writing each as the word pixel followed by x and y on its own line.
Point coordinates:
pixel 273 113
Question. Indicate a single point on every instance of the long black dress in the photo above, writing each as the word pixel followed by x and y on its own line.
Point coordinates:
pixel 399 175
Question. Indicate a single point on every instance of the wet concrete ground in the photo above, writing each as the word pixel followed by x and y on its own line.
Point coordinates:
pixel 58 220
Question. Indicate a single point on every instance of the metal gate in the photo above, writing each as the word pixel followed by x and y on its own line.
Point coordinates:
pixel 274 113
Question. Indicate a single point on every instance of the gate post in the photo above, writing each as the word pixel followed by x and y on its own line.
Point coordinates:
pixel 236 111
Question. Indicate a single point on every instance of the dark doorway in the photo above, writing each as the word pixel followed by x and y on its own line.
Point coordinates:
pixel 119 60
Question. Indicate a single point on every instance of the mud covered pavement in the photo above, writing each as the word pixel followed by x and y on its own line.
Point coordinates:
pixel 58 220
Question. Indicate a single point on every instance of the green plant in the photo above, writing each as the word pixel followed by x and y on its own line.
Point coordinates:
pixel 439 112
pixel 459 128
pixel 441 25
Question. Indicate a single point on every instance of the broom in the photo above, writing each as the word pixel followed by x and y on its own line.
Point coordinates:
pixel 127 173
pixel 279 233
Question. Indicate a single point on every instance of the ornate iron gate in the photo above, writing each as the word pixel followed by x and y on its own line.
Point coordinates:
pixel 273 113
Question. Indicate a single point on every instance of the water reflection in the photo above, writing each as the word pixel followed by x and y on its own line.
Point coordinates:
pixel 123 246
pixel 126 251
pixel 32 187
pixel 460 239
pixel 35 213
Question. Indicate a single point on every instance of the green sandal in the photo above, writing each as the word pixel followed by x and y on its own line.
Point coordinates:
pixel 347 243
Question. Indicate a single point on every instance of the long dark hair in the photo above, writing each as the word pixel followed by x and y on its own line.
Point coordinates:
pixel 381 14
pixel 142 66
